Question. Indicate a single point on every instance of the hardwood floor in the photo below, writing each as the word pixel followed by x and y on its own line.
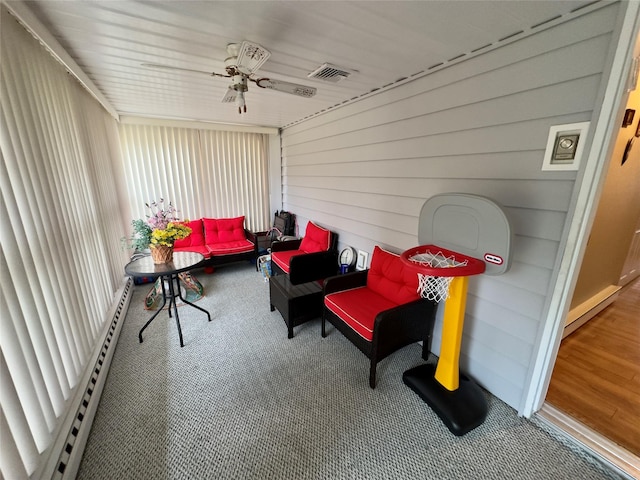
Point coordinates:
pixel 596 378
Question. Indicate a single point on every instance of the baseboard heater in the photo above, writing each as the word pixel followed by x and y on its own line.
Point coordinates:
pixel 66 452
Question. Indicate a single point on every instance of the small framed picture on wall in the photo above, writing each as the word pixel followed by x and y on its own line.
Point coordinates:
pixel 628 117
pixel 363 258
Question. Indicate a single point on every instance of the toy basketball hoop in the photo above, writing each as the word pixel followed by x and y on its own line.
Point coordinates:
pixel 437 267
pixel 455 231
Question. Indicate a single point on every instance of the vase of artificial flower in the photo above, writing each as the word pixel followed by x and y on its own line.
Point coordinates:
pixel 159 232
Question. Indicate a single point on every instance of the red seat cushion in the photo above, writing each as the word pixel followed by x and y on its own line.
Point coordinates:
pixel 229 248
pixel 221 230
pixel 358 308
pixel 195 239
pixel 283 258
pixel 316 239
pixel 389 277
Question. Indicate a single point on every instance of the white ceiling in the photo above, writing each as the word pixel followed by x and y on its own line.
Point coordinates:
pixel 385 41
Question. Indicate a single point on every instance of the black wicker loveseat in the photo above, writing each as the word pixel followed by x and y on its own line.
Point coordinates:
pixel 220 240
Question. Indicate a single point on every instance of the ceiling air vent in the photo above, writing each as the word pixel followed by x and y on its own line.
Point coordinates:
pixel 330 73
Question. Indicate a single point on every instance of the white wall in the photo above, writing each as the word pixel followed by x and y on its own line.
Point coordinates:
pixel 479 127
pixel 275 174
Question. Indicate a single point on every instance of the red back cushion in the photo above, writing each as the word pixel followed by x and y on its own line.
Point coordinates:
pixel 196 238
pixel 390 278
pixel 316 239
pixel 218 230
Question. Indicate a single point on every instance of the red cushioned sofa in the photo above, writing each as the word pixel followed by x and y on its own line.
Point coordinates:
pixel 220 240
pixel 379 310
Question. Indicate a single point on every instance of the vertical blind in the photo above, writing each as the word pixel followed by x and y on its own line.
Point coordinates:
pixel 204 173
pixel 60 242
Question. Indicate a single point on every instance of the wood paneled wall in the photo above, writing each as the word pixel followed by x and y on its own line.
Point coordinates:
pixel 365 169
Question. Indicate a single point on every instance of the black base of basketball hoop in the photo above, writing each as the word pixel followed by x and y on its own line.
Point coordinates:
pixel 461 410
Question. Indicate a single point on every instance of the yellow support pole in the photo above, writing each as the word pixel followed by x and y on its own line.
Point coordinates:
pixel 448 368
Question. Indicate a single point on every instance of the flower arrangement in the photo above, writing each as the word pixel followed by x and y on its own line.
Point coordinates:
pixel 162 227
pixel 165 225
pixel 173 232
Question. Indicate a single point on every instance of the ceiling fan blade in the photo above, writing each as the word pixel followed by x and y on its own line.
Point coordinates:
pixel 236 97
pixel 168 67
pixel 230 96
pixel 251 57
pixel 287 87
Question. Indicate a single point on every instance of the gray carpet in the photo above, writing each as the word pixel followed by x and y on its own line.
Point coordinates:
pixel 241 401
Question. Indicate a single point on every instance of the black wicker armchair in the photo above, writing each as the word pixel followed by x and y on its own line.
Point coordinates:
pixel 311 258
pixel 358 305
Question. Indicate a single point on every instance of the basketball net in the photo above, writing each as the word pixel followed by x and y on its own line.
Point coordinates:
pixel 432 287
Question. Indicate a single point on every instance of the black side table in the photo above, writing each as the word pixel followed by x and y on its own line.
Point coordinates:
pixel 182 261
pixel 296 303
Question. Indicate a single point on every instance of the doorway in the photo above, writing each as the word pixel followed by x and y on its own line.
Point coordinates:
pixel 596 377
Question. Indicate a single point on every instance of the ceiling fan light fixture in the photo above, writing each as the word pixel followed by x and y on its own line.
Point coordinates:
pixel 240 103
pixel 239 83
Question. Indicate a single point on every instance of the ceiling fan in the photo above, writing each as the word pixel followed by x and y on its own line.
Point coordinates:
pixel 241 65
